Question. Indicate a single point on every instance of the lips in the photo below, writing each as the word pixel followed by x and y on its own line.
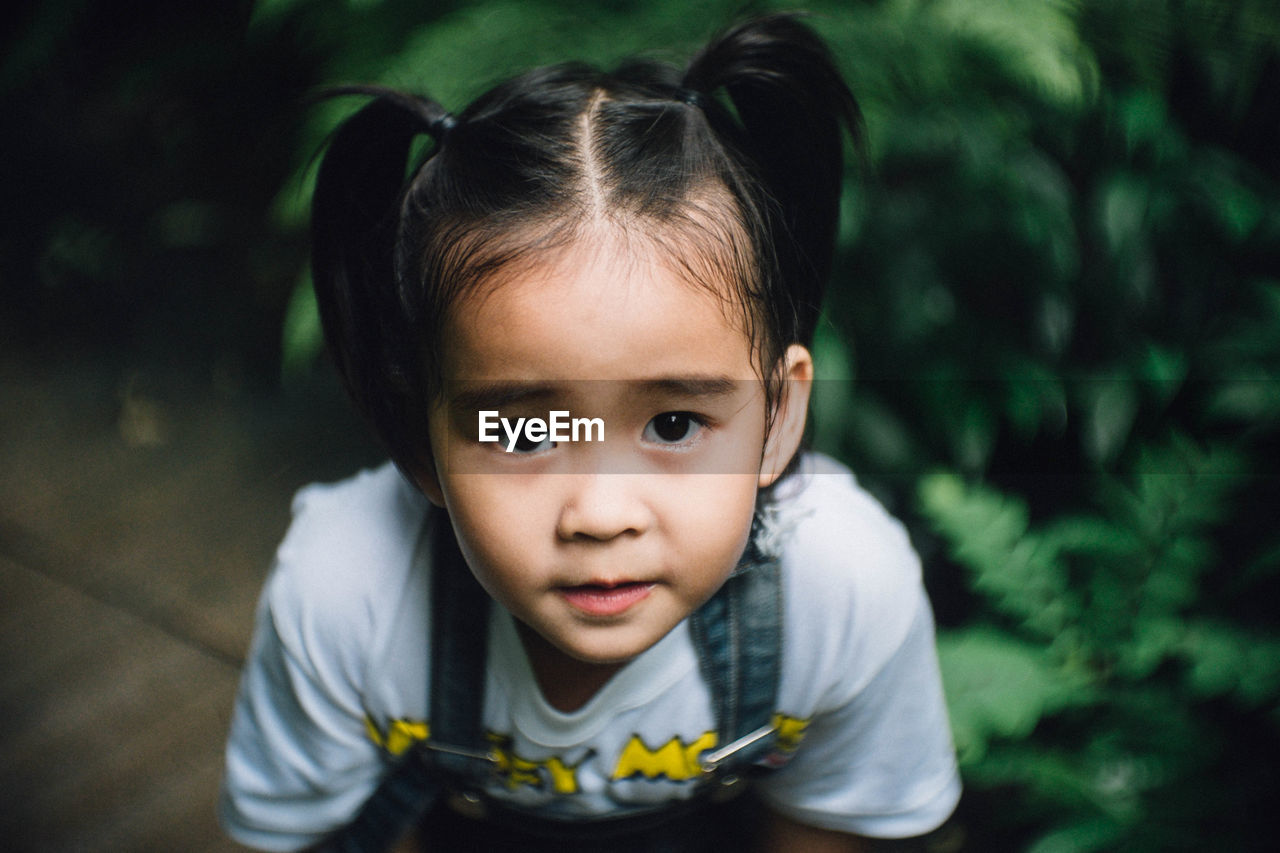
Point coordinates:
pixel 606 599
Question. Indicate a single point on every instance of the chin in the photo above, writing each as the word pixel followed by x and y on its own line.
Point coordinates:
pixel 606 656
pixel 614 653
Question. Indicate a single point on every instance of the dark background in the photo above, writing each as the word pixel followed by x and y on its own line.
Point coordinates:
pixel 1052 347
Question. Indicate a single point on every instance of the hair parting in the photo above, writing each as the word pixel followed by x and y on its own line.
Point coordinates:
pixel 730 169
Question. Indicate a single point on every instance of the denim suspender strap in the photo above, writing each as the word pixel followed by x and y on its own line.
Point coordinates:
pixel 400 799
pixel 459 651
pixel 738 637
pixel 455 746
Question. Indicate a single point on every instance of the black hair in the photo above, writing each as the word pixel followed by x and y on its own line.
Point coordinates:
pixel 733 166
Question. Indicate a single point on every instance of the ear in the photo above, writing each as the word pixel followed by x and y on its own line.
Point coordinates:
pixel 790 412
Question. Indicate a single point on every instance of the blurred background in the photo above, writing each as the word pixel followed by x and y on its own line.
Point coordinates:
pixel 1052 347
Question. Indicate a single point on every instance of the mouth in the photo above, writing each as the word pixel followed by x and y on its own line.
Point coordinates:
pixel 606 599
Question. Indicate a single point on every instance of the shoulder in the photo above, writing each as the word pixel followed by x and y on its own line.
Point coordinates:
pixel 299 759
pixel 859 671
pixel 363 518
pixel 346 558
pixel 852 581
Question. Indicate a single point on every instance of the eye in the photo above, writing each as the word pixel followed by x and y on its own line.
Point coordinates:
pixel 673 428
pixel 526 445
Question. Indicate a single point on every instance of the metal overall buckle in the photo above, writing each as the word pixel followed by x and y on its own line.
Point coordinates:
pixel 726 786
pixel 466 801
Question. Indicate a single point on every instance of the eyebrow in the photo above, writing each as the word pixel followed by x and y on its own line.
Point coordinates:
pixel 496 395
pixel 690 386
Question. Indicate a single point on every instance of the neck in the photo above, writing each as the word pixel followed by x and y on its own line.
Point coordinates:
pixel 565 682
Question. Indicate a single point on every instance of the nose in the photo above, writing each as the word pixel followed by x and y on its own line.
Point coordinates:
pixel 602 506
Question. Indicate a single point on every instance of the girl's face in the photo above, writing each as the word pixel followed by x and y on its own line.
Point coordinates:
pixel 602 547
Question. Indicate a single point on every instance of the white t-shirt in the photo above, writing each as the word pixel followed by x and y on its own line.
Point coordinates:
pixel 337 679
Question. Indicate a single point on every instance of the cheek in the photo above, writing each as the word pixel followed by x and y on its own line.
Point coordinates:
pixel 488 520
pixel 715 512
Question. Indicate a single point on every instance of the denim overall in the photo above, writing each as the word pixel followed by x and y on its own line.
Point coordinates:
pixel 737 636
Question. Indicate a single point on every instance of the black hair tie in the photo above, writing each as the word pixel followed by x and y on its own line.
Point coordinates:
pixel 440 126
pixel 692 97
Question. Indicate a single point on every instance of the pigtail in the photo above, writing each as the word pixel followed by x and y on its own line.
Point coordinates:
pixel 792 104
pixel 365 310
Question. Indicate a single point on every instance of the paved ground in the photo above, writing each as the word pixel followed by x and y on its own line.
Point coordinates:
pixel 138 516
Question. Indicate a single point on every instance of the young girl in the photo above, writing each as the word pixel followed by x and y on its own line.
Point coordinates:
pixel 581 328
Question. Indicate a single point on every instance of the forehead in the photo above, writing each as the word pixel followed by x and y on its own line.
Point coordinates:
pixel 603 308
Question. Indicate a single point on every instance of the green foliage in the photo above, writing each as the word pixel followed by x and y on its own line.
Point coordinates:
pixel 999 686
pixel 300 333
pixel 1061 315
pixel 1098 612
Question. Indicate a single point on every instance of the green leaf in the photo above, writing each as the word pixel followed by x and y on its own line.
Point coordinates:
pixel 1123 211
pixel 301 336
pixel 1037 40
pixel 1111 406
pixel 1000 687
pixel 1143 119
pixel 832 400
pixel 1017 571
pixel 1227 660
pixel 1246 400
pixel 1080 837
pixel 1154 639
pixel 1164 369
pixel 1035 399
